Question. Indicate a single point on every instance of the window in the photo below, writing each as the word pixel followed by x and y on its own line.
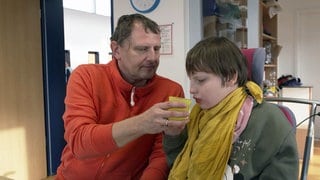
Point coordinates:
pixel 100 7
pixel 93 57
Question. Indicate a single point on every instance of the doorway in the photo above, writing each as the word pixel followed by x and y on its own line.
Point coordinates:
pixel 54 78
pixel 307 61
pixel 87 29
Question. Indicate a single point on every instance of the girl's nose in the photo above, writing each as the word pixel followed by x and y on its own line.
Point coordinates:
pixel 192 90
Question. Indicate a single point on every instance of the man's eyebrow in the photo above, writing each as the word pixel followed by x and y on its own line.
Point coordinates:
pixel 141 46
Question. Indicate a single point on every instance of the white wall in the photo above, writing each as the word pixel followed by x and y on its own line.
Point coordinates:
pixel 292 59
pixel 253 26
pixel 288 38
pixel 86 32
pixel 89 32
pixel 185 17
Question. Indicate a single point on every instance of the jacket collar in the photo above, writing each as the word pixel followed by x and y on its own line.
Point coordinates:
pixel 126 88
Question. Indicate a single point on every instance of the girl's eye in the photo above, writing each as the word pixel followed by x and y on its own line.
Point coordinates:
pixel 200 80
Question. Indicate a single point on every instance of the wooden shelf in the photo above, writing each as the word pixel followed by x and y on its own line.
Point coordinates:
pixel 268 37
pixel 269 40
pixel 242 29
pixel 270 66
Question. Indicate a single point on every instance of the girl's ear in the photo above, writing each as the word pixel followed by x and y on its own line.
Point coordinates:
pixel 232 81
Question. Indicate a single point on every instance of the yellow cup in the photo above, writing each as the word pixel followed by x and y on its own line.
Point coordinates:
pixel 187 102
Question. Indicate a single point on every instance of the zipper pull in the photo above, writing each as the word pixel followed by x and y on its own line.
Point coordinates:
pixel 132 103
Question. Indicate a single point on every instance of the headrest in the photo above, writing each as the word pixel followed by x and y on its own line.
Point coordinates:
pixel 255 63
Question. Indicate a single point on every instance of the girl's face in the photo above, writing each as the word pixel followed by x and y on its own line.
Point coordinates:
pixel 207 89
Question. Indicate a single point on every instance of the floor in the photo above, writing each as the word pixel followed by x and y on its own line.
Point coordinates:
pixel 314 165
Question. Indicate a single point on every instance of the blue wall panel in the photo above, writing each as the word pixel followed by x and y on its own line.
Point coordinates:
pixel 54 79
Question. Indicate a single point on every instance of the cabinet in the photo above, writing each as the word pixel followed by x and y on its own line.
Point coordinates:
pixel 301 112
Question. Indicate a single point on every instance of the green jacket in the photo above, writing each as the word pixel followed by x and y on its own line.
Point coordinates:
pixel 266 149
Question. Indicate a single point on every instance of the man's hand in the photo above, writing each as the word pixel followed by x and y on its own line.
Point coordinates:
pixel 152 121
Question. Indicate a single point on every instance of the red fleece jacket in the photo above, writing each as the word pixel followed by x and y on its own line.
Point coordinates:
pixel 97 96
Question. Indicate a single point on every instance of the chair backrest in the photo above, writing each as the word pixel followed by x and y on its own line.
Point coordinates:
pixel 255 62
pixel 290 116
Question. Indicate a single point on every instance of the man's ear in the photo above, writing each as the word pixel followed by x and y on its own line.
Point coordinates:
pixel 115 49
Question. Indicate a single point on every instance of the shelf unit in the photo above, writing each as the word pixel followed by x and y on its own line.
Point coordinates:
pixel 269 40
pixel 249 25
pixel 229 21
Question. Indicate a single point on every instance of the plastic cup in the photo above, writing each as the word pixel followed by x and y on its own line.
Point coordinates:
pixel 187 102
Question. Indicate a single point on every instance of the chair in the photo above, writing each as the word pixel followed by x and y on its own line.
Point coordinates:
pixel 255 62
pixel 309 138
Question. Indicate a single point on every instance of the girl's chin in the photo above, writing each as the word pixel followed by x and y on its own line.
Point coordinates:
pixel 203 106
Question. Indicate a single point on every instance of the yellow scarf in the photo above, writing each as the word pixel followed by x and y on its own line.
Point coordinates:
pixel 210 132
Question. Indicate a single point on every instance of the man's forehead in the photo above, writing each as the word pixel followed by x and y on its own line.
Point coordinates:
pixel 143 38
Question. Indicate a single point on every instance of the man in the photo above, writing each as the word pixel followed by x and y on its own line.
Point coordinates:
pixel 115 112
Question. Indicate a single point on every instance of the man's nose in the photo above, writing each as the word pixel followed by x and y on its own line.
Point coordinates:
pixel 153 54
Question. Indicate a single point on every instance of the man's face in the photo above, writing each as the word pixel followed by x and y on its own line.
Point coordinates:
pixel 138 57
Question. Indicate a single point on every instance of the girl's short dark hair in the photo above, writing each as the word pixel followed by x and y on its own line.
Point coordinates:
pixel 219 56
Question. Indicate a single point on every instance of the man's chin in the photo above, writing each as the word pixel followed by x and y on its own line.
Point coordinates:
pixel 147 76
pixel 149 73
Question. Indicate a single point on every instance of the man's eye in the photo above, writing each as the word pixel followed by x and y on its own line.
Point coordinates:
pixel 157 48
pixel 143 49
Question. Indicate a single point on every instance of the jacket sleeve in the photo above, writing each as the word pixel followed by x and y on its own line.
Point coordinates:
pixel 157 168
pixel 173 145
pixel 285 164
pixel 85 137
